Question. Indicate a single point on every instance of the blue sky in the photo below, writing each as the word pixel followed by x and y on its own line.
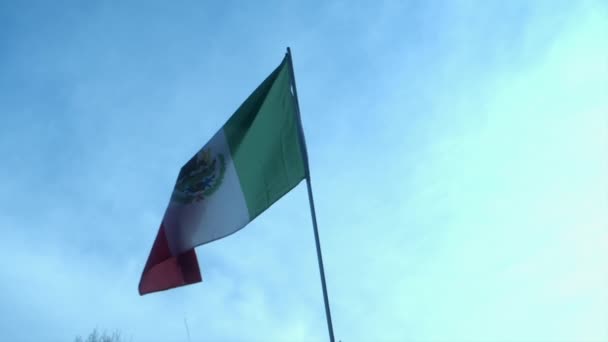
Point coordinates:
pixel 458 153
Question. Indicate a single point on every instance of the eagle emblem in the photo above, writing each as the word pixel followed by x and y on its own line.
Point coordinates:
pixel 200 177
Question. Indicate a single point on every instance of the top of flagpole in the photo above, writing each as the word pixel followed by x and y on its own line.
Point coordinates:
pixel 301 128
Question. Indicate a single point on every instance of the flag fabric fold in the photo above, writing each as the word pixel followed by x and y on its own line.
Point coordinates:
pixel 251 162
pixel 164 271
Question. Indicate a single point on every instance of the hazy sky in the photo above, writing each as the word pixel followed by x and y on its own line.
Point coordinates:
pixel 458 154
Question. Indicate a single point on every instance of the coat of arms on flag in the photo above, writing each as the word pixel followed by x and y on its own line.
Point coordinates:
pixel 200 177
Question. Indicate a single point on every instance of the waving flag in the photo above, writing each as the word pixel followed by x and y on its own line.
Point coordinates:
pixel 251 162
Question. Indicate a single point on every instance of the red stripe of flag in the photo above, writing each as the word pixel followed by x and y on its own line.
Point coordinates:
pixel 164 271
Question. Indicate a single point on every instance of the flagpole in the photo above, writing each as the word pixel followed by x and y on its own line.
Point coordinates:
pixel 311 200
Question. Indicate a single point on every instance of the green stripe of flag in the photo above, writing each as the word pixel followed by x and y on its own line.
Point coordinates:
pixel 264 143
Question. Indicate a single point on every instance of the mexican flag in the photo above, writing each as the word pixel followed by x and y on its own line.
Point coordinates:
pixel 251 162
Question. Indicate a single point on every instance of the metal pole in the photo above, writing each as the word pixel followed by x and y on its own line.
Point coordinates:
pixel 187 329
pixel 311 200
